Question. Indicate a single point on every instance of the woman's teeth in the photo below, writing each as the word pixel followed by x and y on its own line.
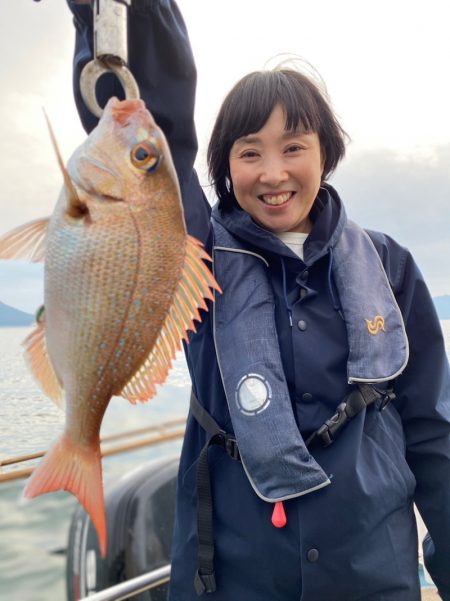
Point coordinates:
pixel 276 199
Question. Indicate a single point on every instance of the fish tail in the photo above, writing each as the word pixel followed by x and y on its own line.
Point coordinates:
pixel 79 471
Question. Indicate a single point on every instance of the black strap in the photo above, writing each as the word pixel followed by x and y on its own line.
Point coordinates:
pixel 204 578
pixel 207 422
pixel 357 400
pixel 205 581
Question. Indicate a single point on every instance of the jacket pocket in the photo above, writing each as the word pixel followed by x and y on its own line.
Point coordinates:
pixel 386 434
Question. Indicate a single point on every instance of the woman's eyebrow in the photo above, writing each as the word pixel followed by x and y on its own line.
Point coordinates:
pixel 287 135
pixel 251 139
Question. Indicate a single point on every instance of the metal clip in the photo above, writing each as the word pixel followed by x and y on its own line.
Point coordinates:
pixel 110 52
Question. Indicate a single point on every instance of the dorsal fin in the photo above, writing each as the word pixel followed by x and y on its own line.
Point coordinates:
pixel 40 365
pixel 193 287
pixel 75 207
pixel 26 241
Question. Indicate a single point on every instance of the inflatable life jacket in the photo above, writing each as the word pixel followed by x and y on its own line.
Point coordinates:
pixel 267 439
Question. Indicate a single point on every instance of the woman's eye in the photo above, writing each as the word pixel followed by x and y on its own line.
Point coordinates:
pixel 294 148
pixel 248 154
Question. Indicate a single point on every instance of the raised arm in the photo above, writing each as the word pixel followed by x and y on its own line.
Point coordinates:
pixel 161 60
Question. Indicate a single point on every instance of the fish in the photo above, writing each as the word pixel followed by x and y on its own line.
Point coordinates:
pixel 123 285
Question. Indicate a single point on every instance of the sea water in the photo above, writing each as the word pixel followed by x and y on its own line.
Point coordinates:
pixel 33 534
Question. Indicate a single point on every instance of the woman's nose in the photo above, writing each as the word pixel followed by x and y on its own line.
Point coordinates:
pixel 273 172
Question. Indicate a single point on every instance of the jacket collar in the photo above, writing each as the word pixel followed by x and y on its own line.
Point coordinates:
pixel 327 215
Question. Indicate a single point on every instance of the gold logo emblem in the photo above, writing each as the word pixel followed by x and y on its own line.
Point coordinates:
pixel 375 325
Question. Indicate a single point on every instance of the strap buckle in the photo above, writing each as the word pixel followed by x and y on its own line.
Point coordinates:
pixel 386 397
pixel 204 583
pixel 327 431
pixel 229 443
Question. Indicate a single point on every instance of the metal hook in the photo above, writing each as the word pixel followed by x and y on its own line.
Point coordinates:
pixel 91 74
pixel 110 52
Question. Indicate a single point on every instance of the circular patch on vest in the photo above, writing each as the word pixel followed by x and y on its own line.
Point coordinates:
pixel 253 394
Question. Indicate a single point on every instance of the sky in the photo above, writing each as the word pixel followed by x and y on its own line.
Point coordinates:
pixel 385 65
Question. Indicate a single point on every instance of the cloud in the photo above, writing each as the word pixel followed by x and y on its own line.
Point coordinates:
pixel 376 92
pixel 36 75
pixel 406 197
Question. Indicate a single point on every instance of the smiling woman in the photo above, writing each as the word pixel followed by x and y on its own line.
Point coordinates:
pixel 333 424
pixel 288 321
pixel 280 149
pixel 246 110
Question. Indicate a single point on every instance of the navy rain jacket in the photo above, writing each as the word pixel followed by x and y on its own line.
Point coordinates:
pixel 355 539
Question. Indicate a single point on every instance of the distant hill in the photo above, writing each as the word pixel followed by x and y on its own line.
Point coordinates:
pixel 9 317
pixel 442 304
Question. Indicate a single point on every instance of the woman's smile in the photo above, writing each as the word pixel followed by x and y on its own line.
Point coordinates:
pixel 276 199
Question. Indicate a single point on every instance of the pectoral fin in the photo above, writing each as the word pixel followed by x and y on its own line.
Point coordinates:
pixel 26 241
pixel 40 365
pixel 193 287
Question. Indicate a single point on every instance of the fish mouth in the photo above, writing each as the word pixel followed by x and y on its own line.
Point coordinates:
pixel 123 110
pixel 276 199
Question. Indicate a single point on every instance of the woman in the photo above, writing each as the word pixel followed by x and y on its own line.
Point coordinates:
pixel 300 507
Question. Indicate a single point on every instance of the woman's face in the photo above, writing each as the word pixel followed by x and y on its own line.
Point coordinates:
pixel 276 175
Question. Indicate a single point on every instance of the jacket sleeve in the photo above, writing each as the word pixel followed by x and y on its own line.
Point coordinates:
pixel 161 60
pixel 423 394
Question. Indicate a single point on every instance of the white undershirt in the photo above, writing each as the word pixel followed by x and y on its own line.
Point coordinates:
pixel 294 240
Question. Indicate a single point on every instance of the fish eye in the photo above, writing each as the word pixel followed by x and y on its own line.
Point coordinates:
pixel 145 155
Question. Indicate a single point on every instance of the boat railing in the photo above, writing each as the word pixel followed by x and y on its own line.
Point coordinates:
pixel 141 437
pixel 132 587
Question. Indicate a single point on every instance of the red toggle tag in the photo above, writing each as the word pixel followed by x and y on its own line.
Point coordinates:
pixel 278 516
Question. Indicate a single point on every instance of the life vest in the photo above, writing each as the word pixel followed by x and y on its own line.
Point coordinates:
pixel 273 452
pixel 267 438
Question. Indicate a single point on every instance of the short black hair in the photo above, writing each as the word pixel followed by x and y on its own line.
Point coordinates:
pixel 248 106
